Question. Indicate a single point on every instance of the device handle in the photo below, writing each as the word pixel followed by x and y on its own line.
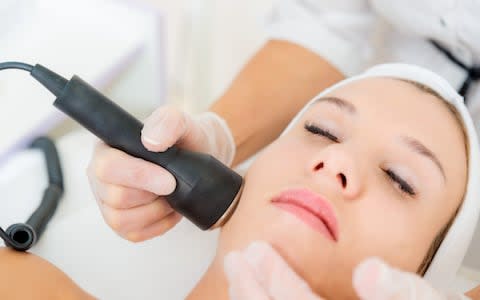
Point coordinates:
pixel 205 187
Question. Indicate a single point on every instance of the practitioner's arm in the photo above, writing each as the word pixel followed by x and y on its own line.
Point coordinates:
pixel 27 276
pixel 269 91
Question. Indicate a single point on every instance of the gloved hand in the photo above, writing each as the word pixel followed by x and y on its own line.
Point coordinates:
pixel 375 280
pixel 260 273
pixel 207 133
pixel 130 191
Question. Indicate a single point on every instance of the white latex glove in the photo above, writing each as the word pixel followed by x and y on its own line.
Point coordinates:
pixel 130 191
pixel 260 273
pixel 375 280
pixel 207 133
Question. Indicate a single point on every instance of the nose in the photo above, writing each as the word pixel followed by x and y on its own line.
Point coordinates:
pixel 337 167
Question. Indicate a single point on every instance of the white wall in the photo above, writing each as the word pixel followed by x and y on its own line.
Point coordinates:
pixel 208 43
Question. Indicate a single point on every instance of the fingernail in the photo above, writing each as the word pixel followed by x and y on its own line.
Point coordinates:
pixel 231 264
pixel 150 140
pixel 371 279
pixel 165 184
pixel 152 130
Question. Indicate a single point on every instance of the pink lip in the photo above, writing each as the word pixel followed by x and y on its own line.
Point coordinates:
pixel 311 208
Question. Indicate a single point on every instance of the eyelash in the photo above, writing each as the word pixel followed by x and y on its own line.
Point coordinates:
pixel 404 186
pixel 322 132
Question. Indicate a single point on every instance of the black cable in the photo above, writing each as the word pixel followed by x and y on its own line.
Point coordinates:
pixel 16 65
pixel 22 236
pixel 6 238
pixel 40 217
pixel 19 236
pixel 52 160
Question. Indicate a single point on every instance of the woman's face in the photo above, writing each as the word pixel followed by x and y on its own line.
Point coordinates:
pixel 376 168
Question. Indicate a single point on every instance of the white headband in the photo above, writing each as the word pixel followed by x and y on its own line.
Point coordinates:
pixel 451 252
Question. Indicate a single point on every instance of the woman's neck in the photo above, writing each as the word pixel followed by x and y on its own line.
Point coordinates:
pixel 213 284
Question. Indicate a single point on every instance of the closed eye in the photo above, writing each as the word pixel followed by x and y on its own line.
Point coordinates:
pixel 404 186
pixel 320 131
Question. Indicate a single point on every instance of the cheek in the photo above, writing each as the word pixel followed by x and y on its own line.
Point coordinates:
pixel 266 176
pixel 269 173
pixel 275 163
pixel 392 228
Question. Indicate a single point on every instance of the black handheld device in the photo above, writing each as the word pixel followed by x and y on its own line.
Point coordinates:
pixel 206 191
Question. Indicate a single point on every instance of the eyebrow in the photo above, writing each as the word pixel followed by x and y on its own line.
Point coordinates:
pixel 340 103
pixel 419 148
pixel 412 143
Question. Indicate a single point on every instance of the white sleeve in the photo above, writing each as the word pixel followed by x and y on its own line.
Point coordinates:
pixel 340 31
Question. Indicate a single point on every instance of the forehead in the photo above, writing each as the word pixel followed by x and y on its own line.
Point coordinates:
pixel 393 102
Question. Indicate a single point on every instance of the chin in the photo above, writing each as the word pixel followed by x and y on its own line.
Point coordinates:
pixel 311 255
